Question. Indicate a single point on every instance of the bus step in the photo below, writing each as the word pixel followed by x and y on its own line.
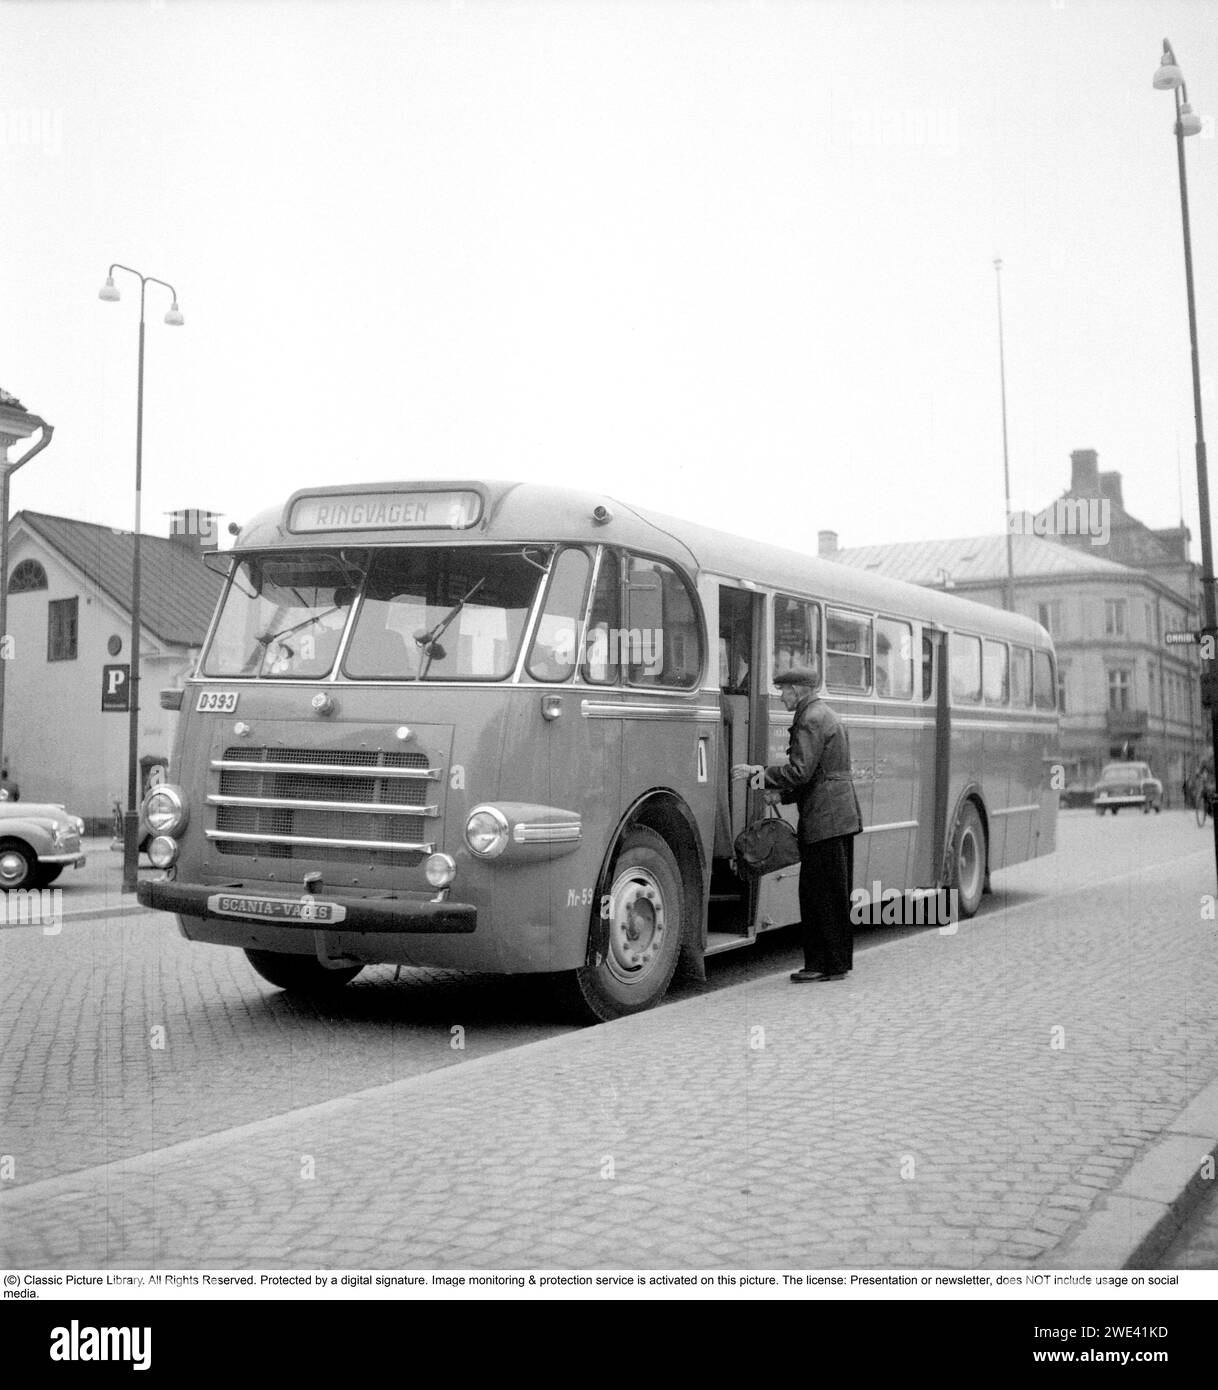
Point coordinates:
pixel 719 941
pixel 725 897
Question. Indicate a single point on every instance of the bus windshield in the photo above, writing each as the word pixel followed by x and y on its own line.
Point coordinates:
pixel 283 616
pixel 444 613
pixel 425 613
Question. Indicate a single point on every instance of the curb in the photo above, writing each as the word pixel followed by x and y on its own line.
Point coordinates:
pixel 90 914
pixel 1139 1218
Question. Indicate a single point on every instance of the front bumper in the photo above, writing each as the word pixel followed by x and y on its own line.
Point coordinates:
pixel 405 913
pixel 1132 799
pixel 74 858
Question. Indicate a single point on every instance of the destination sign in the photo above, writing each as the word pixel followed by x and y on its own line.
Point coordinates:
pixel 1181 639
pixel 386 511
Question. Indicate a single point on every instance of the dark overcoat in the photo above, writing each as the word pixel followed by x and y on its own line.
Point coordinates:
pixel 816 775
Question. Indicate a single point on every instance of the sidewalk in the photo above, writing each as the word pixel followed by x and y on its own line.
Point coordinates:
pixel 96 889
pixel 1038 1091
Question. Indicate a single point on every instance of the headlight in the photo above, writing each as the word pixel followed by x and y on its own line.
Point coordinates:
pixel 486 831
pixel 165 811
pixel 162 851
pixel 77 824
pixel 440 869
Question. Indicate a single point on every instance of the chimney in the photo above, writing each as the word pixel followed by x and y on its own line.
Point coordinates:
pixel 1085 473
pixel 1176 539
pixel 195 530
pixel 826 544
pixel 1110 487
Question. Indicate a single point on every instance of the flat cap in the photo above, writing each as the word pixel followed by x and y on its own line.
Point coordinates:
pixel 798 675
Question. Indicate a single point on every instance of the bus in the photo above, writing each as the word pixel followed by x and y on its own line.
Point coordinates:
pixel 488 726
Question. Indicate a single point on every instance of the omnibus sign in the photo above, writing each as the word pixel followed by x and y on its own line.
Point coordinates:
pixel 385 511
pixel 489 727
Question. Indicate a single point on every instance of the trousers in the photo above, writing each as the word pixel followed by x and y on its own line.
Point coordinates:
pixel 826 872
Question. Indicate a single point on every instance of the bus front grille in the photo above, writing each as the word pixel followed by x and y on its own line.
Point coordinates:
pixel 341 805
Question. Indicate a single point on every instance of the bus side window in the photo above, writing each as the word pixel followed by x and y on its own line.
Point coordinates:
pixel 1046 686
pixel 928 668
pixel 964 663
pixel 661 644
pixel 552 656
pixel 1021 677
pixel 604 623
pixel 997 687
pixel 796 633
pixel 893 658
pixel 847 651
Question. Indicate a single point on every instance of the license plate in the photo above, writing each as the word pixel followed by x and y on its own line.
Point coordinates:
pixel 307 909
pixel 217 701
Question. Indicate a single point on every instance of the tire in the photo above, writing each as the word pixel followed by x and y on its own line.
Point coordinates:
pixel 1115 809
pixel 1099 810
pixel 1146 808
pixel 18 865
pixel 48 873
pixel 1200 806
pixel 968 860
pixel 303 975
pixel 645 922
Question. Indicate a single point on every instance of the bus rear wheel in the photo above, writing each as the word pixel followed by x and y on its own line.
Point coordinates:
pixel 644 917
pixel 968 860
pixel 300 974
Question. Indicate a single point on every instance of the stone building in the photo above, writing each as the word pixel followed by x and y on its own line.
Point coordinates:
pixel 1107 587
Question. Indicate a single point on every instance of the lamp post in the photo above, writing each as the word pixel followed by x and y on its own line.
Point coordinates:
pixel 131 821
pixel 1006 463
pixel 1170 78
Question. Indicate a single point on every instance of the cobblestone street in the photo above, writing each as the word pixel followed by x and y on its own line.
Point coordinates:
pixel 971 1100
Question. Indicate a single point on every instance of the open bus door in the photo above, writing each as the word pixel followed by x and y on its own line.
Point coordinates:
pixel 743 734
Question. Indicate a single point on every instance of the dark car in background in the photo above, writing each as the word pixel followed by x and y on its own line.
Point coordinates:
pixel 1127 784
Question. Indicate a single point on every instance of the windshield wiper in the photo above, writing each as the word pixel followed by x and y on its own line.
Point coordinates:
pixel 267 638
pixel 428 641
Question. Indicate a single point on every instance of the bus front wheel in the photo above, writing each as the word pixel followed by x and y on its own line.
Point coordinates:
pixel 968 860
pixel 300 974
pixel 644 912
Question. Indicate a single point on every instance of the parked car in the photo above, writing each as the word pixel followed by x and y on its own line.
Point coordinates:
pixel 37 842
pixel 1127 784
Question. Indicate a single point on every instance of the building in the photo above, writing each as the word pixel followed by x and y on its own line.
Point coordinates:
pixel 69 634
pixel 1107 588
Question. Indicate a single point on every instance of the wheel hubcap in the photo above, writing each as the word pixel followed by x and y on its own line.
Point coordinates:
pixel 970 863
pixel 13 869
pixel 637 924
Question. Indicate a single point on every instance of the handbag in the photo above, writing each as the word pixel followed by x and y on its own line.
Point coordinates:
pixel 766 845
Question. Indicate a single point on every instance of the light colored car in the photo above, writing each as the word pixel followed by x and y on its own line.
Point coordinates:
pixel 38 840
pixel 1127 784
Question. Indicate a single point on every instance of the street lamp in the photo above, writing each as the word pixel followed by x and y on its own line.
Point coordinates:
pixel 131 821
pixel 1170 78
pixel 1006 463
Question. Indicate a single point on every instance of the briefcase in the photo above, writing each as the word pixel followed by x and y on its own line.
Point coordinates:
pixel 766 845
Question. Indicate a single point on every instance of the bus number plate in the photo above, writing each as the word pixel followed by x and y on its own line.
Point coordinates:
pixel 217 701
pixel 276 909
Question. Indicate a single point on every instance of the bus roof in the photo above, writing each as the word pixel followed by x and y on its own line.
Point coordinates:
pixel 529 512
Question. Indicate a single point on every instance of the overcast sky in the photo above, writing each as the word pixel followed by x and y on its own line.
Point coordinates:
pixel 730 260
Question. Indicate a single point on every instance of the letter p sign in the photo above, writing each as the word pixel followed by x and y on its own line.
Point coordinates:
pixel 116 686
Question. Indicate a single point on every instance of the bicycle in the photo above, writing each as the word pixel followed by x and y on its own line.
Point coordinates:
pixel 1202 804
